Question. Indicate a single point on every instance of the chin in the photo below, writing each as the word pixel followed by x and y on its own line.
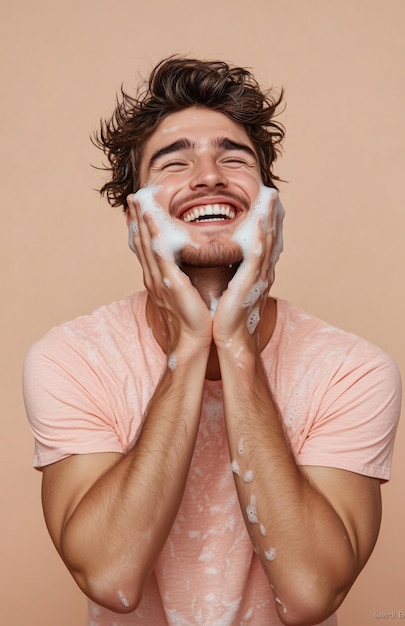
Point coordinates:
pixel 212 255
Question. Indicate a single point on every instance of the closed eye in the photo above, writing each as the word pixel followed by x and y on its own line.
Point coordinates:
pixel 173 165
pixel 236 161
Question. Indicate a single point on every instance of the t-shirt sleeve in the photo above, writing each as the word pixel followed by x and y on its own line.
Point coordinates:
pixel 68 407
pixel 355 424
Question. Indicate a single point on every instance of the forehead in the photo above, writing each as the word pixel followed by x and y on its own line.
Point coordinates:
pixel 199 124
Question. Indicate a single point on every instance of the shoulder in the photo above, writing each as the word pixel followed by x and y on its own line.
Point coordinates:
pixel 100 330
pixel 318 339
pixel 80 383
pixel 335 369
pixel 340 394
pixel 97 348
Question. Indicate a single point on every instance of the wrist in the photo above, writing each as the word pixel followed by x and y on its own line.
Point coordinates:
pixel 187 352
pixel 236 352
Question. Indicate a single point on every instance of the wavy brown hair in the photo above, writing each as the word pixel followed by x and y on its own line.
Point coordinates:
pixel 174 84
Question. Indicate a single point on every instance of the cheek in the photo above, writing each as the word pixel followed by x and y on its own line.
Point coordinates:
pixel 163 195
pixel 248 180
pixel 169 186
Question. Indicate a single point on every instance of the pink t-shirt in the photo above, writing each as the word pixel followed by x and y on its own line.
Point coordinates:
pixel 87 384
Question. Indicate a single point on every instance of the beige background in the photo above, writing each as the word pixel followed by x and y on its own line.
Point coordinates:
pixel 64 250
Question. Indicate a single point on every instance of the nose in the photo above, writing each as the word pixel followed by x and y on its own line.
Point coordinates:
pixel 207 173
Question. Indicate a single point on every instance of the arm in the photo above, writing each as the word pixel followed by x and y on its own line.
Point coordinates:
pixel 109 515
pixel 313 528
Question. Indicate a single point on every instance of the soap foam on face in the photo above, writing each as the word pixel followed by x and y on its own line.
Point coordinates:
pixel 171 238
pixel 245 233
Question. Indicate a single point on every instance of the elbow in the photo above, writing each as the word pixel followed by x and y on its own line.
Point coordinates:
pixel 295 615
pixel 302 613
pixel 120 601
pixel 309 603
pixel 115 594
pixel 116 587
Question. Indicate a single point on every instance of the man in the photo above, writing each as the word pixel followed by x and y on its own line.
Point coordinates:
pixel 210 454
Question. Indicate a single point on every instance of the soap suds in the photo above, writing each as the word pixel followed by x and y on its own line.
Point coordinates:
pixel 255 293
pixel 206 555
pixel 172 237
pixel 253 320
pixel 123 599
pixel 210 597
pixel 171 362
pixel 235 468
pixel 167 283
pixel 245 234
pixel 213 305
pixel 270 554
pixel 132 231
pixel 262 530
pixel 193 534
pixel 134 227
pixel 248 476
pixel 251 511
pixel 172 129
pixel 240 447
pixel 248 615
pixel 278 601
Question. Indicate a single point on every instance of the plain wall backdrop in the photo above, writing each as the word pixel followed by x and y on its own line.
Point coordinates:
pixel 64 250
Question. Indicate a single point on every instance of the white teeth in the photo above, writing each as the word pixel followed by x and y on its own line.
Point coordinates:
pixel 208 210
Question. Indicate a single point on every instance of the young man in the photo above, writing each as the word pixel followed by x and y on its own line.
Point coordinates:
pixel 211 455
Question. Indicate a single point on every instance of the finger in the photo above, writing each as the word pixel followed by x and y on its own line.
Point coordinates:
pixel 152 272
pixel 139 238
pixel 268 248
pixel 132 223
pixel 253 262
pixel 134 231
pixel 164 257
pixel 269 228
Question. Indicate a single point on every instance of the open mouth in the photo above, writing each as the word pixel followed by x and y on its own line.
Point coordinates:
pixel 209 213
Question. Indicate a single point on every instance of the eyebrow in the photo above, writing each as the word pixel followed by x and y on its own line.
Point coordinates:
pixel 186 144
pixel 181 144
pixel 228 144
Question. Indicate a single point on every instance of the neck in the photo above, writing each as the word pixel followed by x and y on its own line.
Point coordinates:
pixel 211 283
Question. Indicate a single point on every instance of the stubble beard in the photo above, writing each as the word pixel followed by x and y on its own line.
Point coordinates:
pixel 213 254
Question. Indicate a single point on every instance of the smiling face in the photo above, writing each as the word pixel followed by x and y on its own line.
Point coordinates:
pixel 208 176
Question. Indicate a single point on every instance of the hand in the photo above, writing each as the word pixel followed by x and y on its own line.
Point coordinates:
pixel 241 305
pixel 184 313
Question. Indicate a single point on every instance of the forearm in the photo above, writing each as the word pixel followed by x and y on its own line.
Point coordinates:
pixel 300 539
pixel 115 534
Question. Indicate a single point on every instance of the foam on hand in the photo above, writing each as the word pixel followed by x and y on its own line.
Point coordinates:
pixel 245 233
pixel 171 238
